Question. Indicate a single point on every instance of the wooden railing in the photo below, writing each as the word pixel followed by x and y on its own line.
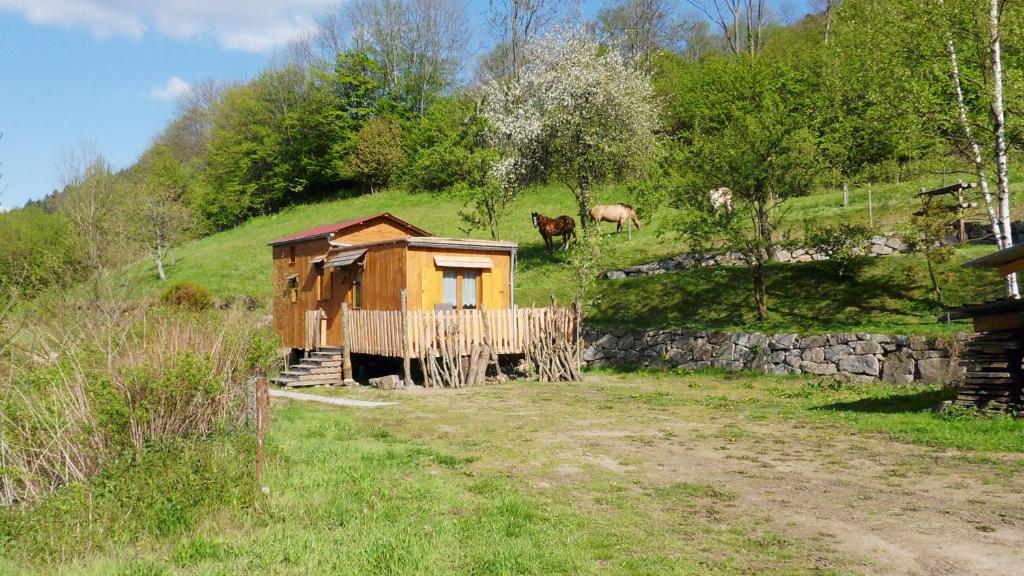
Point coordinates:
pixel 508 331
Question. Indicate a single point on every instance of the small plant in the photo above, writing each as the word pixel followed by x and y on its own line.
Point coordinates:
pixel 926 235
pixel 842 243
pixel 189 295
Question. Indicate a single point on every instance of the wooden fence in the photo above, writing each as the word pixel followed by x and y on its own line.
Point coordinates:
pixel 507 331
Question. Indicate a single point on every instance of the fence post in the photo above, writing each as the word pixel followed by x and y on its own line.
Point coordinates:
pixel 846 194
pixel 406 344
pixel 262 415
pixel 871 209
pixel 346 357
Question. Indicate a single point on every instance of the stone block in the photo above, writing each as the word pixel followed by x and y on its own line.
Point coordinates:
pixel 833 353
pixel 727 351
pixel 867 347
pixel 859 365
pixel 898 367
pixel 717 337
pixel 592 353
pixel 820 368
pixel 813 341
pixel 934 370
pixel 702 351
pixel 389 382
pixel 813 355
pixel 615 274
pixel 783 341
pixel 607 341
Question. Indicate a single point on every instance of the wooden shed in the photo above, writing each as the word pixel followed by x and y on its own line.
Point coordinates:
pixel 993 359
pixel 381 286
pixel 367 262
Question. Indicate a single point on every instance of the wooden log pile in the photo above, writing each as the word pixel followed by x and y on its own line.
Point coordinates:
pixel 993 373
pixel 553 347
pixel 445 363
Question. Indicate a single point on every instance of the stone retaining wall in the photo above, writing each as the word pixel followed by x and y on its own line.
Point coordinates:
pixel 876 246
pixel 846 357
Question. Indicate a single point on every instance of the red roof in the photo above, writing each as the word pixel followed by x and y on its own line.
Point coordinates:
pixel 328 229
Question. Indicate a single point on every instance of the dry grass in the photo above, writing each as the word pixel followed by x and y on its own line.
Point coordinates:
pixel 103 378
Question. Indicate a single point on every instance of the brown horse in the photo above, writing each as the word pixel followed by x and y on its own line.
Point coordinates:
pixel 563 226
pixel 618 213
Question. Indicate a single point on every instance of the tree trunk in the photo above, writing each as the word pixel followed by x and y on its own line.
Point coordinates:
pixel 160 267
pixel 764 231
pixel 760 293
pixel 585 198
pixel 979 163
pixel 999 131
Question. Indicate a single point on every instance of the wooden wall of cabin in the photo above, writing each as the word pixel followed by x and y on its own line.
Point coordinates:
pixel 374 231
pixel 425 277
pixel 289 317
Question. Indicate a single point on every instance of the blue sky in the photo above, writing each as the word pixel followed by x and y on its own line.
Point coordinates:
pixel 105 72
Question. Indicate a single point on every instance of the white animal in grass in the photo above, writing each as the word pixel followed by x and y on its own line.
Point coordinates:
pixel 721 198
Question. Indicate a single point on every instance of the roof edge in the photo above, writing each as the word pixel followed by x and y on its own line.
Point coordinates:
pixel 297 237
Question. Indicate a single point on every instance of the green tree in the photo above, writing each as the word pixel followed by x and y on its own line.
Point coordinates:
pixel 750 132
pixel 159 217
pixel 377 153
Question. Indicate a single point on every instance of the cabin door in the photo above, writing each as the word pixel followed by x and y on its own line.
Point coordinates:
pixel 340 287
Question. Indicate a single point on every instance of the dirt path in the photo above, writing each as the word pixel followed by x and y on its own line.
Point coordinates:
pixel 879 506
pixel 326 399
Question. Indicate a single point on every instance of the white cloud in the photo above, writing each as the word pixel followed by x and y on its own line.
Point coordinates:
pixel 174 89
pixel 252 26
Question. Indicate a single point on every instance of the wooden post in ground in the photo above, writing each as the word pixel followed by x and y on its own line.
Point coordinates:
pixel 871 209
pixel 406 343
pixel 346 356
pixel 846 194
pixel 262 414
pixel 960 212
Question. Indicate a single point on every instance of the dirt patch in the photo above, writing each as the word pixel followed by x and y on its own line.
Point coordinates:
pixel 855 501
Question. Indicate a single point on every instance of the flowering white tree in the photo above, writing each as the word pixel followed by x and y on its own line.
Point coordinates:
pixel 578 112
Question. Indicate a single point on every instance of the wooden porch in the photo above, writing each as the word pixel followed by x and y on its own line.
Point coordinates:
pixel 414 333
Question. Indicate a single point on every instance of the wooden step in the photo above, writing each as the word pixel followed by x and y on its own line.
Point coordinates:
pixel 307 383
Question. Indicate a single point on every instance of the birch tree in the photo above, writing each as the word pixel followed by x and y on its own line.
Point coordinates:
pixel 999 133
pixel 159 216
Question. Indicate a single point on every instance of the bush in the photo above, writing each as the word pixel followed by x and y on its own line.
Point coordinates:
pixel 118 381
pixel 189 295
pixel 164 490
pixel 842 243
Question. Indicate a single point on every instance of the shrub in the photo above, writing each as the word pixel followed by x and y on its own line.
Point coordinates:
pixel 114 381
pixel 162 491
pixel 843 244
pixel 188 295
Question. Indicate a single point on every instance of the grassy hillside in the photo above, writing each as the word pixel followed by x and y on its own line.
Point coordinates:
pixel 891 293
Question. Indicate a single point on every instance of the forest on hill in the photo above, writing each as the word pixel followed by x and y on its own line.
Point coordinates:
pixel 383 95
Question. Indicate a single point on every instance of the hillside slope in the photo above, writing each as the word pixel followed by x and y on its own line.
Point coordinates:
pixel 891 293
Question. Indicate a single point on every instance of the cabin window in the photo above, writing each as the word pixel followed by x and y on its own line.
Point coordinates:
pixel 461 288
pixel 291 255
pixel 292 288
pixel 323 284
pixel 357 289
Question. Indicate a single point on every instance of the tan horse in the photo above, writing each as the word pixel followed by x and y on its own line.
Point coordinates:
pixel 618 213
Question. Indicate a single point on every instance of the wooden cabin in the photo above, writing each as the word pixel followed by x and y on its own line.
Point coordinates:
pixel 366 263
pixel 993 359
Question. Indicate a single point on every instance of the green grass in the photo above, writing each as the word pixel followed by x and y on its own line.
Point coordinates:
pixel 803 298
pixel 534 478
pixel 889 295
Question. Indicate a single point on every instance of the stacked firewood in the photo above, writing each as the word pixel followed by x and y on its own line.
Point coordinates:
pixel 446 363
pixel 553 349
pixel 993 371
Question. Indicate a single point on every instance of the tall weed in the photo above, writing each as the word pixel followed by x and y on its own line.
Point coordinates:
pixel 85 387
